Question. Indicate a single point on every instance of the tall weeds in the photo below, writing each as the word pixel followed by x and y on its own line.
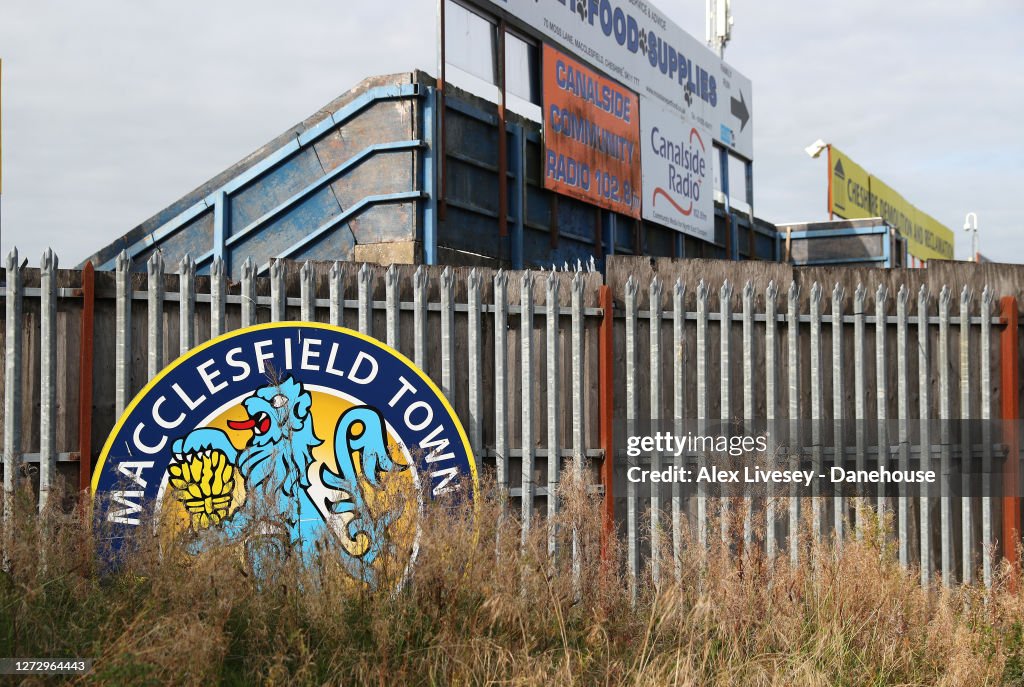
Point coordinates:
pixel 485 605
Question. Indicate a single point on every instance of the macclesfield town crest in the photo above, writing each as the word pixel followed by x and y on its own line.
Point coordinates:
pixel 285 435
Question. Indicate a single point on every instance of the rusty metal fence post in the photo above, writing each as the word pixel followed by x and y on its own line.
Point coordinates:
pixel 1010 386
pixel 606 381
pixel 85 360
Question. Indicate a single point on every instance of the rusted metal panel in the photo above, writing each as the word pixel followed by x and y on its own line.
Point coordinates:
pixel 604 175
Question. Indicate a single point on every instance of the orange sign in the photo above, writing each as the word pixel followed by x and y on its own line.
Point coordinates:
pixel 591 136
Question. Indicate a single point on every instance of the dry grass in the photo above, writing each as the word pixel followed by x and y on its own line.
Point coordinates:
pixel 484 607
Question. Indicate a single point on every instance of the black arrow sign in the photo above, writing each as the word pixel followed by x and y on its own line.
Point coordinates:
pixel 740 111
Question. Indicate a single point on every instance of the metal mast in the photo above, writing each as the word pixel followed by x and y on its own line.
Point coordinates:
pixel 719 24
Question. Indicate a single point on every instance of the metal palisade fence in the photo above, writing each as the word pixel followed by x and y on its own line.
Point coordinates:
pixel 846 367
pixel 548 367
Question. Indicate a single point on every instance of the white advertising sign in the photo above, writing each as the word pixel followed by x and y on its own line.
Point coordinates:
pixel 637 45
pixel 676 158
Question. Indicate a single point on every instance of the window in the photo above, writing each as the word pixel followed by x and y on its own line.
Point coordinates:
pixel 470 49
pixel 522 76
pixel 737 180
pixel 522 68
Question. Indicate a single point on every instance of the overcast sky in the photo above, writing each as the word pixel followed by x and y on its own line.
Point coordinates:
pixel 114 109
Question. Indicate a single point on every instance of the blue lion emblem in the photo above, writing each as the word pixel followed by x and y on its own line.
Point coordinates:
pixel 292 499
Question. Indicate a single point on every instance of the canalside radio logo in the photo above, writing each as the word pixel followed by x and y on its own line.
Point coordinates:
pixel 687 170
pixel 285 435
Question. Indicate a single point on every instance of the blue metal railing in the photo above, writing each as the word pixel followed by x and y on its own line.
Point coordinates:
pixel 219 199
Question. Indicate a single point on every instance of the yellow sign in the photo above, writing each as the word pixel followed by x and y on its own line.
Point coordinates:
pixel 853 194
